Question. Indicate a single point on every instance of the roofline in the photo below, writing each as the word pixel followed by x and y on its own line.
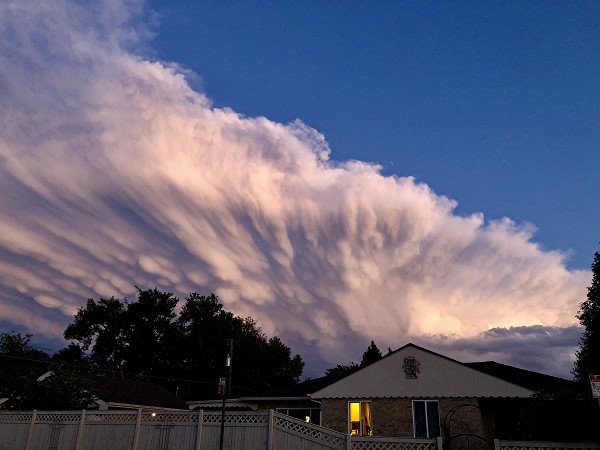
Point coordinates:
pixel 247 399
pixel 254 399
pixel 410 344
pixel 421 397
pixel 518 368
pixel 142 407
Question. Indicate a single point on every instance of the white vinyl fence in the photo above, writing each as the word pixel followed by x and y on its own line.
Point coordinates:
pixel 199 430
pixel 533 445
pixel 185 430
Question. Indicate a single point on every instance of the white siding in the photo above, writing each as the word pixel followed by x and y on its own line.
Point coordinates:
pixel 438 377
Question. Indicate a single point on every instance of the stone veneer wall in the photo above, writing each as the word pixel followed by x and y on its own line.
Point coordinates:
pixel 392 417
pixel 334 414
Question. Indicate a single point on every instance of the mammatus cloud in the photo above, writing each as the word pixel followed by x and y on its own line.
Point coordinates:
pixel 115 173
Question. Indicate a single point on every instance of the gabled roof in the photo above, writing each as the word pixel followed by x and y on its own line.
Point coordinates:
pixel 116 392
pixel 438 376
pixel 528 379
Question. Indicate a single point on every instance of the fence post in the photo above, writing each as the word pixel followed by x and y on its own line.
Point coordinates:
pixel 136 434
pixel 440 443
pixel 80 430
pixel 30 432
pixel 271 430
pixel 496 444
pixel 348 441
pixel 199 429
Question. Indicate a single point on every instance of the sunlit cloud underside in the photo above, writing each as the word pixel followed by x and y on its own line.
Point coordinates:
pixel 115 173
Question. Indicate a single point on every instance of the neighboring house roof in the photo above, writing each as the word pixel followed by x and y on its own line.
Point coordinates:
pixel 438 376
pixel 526 378
pixel 293 394
pixel 301 389
pixel 230 404
pixel 118 393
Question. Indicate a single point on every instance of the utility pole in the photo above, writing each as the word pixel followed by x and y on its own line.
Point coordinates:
pixel 229 382
pixel 226 390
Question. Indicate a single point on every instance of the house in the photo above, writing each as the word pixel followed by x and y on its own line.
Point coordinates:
pixel 117 393
pixel 291 400
pixel 414 392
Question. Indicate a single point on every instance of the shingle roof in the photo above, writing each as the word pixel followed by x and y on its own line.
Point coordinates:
pixel 300 389
pixel 142 393
pixel 528 379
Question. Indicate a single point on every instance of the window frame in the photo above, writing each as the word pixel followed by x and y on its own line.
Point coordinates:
pixel 427 420
pixel 361 425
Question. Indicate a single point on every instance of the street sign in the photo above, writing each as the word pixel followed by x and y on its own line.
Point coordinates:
pixel 221 385
pixel 595 382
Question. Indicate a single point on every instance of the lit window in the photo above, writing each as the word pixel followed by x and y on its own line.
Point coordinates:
pixel 359 415
pixel 426 418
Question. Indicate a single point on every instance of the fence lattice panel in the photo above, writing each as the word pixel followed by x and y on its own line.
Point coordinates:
pixel 526 445
pixel 240 418
pixel 57 417
pixel 107 417
pixel 373 443
pixel 326 438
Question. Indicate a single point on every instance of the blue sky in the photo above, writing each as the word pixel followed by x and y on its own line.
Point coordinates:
pixel 493 104
pixel 418 172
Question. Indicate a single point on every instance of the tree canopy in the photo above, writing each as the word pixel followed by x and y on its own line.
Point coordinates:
pixel 23 385
pixel 588 356
pixel 18 357
pixel 372 354
pixel 148 339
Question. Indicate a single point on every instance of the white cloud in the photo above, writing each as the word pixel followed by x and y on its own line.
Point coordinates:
pixel 115 173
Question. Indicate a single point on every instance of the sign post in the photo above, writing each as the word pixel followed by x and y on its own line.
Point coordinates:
pixel 595 382
pixel 222 385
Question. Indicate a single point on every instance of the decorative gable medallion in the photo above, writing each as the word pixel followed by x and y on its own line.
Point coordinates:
pixel 411 367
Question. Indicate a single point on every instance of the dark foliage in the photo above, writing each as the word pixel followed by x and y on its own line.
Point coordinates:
pixel 18 358
pixel 342 370
pixel 372 354
pixel 21 368
pixel 59 390
pixel 147 339
pixel 588 356
pixel 543 419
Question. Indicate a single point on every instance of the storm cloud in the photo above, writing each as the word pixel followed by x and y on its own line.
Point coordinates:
pixel 114 172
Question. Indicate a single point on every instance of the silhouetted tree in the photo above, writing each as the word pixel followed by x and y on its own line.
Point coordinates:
pixel 342 370
pixel 21 367
pixel 101 328
pixel 73 356
pixel 588 356
pixel 258 362
pixel 60 389
pixel 147 339
pixel 19 358
pixel 371 355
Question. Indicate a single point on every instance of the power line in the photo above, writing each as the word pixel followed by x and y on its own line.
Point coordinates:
pixel 26 297
pixel 133 374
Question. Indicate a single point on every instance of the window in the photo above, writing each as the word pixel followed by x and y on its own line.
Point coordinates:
pixel 311 415
pixel 359 418
pixel 426 418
